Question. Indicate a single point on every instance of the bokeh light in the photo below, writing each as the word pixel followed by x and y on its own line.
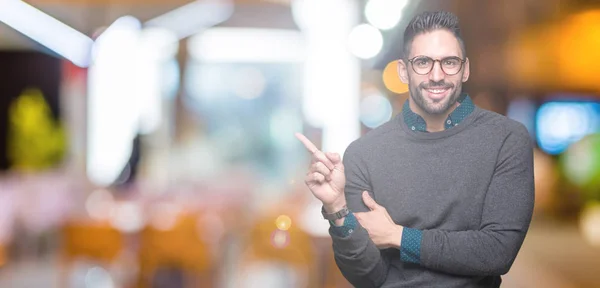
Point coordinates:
pixel 384 14
pixel 365 41
pixel 375 110
pixel 280 239
pixel 98 277
pixel 581 162
pixel 283 222
pixel 164 216
pixel 127 217
pixel 590 223
pixel 560 124
pixel 99 204
pixel 391 79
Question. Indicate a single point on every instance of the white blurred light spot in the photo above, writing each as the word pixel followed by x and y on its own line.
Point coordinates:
pixel 97 277
pixel 384 14
pixel 113 117
pixel 375 110
pixel 590 224
pixel 159 43
pixel 51 33
pixel 127 217
pixel 331 73
pixel 193 17
pixel 365 41
pixel 99 204
pixel 248 83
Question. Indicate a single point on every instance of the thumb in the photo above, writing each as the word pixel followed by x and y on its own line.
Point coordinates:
pixel 369 201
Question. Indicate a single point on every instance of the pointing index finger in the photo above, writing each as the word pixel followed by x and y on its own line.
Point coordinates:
pixel 307 143
pixel 317 154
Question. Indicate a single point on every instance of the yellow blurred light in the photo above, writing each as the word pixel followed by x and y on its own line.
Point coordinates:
pixel 283 222
pixel 589 223
pixel 579 49
pixel 391 79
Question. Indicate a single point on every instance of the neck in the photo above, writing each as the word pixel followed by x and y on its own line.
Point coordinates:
pixel 435 122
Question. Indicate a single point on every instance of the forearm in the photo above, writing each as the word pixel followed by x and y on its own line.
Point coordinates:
pixel 473 253
pixel 359 260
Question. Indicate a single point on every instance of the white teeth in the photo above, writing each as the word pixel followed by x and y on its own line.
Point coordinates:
pixel 436 90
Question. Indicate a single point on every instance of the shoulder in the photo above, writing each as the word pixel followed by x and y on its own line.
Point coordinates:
pixel 510 131
pixel 501 123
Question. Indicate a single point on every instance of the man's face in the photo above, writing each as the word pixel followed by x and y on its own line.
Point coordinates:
pixel 436 92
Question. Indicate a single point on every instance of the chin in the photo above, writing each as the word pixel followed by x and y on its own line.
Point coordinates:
pixel 439 107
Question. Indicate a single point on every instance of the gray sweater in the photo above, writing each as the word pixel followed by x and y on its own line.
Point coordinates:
pixel 468 189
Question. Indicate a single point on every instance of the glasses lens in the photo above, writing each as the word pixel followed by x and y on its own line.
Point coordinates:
pixel 451 65
pixel 422 65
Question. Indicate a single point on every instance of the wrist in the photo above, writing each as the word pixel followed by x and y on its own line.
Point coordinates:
pixel 335 206
pixel 395 240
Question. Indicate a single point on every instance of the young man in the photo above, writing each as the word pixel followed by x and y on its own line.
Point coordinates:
pixel 440 196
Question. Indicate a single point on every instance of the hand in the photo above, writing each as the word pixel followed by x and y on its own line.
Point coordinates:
pixel 325 177
pixel 380 226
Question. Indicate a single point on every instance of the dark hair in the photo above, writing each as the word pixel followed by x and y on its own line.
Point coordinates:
pixel 431 21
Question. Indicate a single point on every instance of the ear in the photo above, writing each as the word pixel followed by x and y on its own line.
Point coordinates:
pixel 402 71
pixel 467 71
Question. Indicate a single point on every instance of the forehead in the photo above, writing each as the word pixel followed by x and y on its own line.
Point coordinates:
pixel 435 44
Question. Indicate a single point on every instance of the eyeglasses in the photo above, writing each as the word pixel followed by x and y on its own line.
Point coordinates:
pixel 422 65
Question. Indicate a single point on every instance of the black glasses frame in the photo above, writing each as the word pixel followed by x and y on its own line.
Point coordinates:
pixel 462 62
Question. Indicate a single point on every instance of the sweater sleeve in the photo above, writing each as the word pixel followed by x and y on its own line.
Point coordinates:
pixel 506 216
pixel 357 257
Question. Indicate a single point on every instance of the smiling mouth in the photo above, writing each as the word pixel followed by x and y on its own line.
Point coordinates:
pixel 437 90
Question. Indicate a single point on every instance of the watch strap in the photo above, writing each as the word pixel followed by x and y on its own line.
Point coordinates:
pixel 336 215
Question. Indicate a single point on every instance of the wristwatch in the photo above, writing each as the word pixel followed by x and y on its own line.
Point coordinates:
pixel 335 216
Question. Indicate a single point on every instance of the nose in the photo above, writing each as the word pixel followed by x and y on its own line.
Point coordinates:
pixel 437 74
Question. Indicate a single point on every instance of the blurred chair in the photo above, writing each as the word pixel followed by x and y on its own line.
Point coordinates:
pixel 179 247
pixel 285 258
pixel 95 241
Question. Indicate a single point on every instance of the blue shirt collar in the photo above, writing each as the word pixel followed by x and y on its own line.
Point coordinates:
pixel 416 123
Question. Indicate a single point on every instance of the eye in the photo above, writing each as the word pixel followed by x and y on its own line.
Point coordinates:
pixel 451 62
pixel 422 62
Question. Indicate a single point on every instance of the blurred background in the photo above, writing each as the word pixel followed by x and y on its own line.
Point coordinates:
pixel 151 143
